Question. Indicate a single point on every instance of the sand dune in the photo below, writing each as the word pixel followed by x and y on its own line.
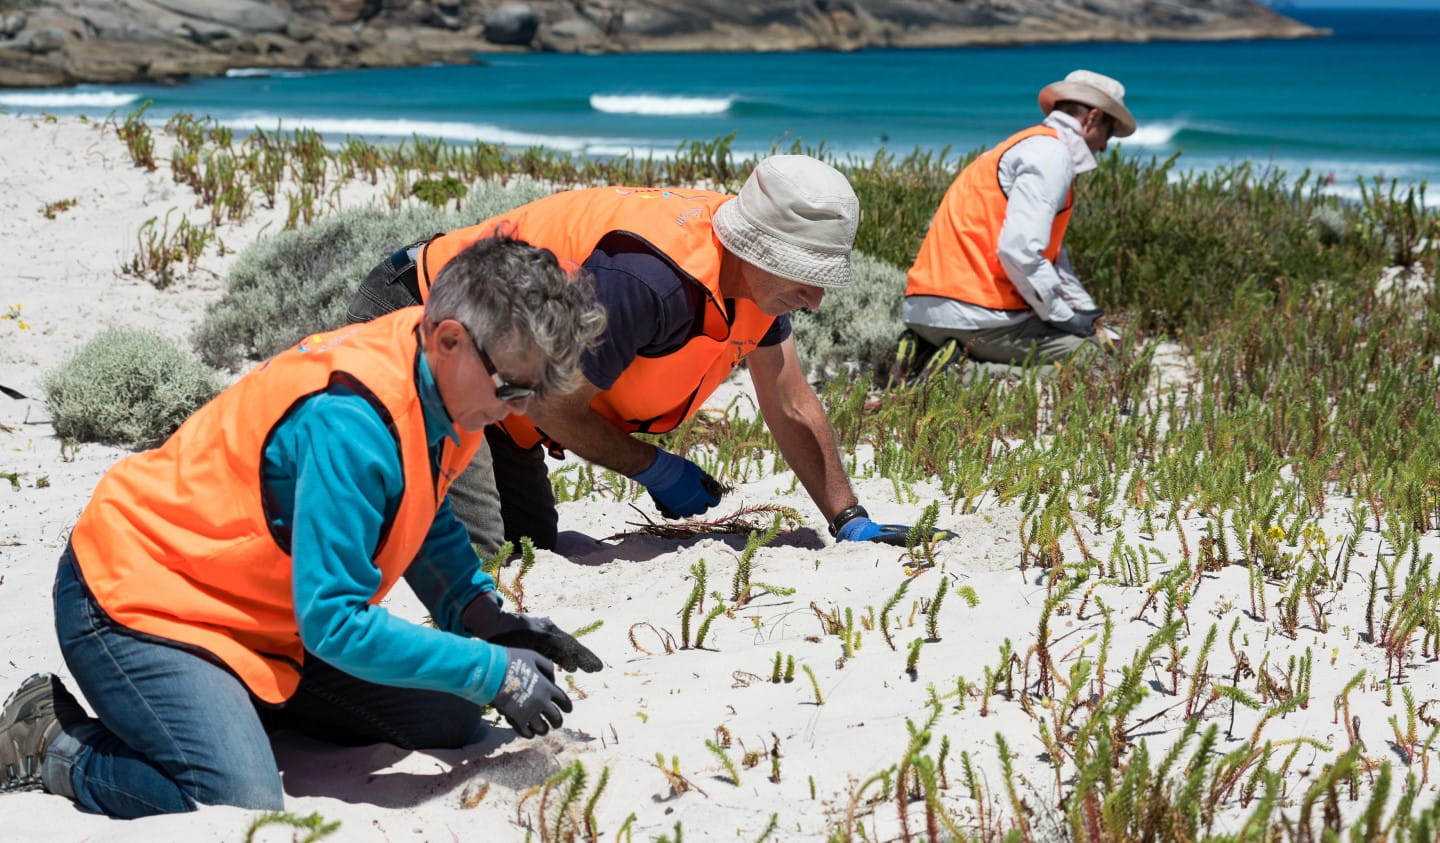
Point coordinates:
pixel 798 759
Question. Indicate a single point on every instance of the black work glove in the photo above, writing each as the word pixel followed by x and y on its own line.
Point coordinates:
pixel 1081 324
pixel 487 621
pixel 528 698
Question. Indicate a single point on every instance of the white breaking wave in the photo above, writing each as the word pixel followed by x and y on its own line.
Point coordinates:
pixel 657 104
pixel 1152 134
pixel 336 127
pixel 68 99
pixel 262 72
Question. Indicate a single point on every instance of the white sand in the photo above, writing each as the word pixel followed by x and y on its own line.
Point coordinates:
pixel 62 277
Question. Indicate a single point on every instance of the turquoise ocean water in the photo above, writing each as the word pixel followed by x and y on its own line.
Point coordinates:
pixel 1364 102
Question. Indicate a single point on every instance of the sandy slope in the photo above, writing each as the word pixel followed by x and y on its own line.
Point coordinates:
pixel 63 281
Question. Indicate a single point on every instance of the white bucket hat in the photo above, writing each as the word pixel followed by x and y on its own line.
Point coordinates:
pixel 795 217
pixel 1095 90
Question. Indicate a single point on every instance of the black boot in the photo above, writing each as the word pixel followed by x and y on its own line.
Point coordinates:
pixel 912 352
pixel 32 718
pixel 946 354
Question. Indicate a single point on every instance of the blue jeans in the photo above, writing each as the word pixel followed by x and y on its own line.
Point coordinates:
pixel 176 730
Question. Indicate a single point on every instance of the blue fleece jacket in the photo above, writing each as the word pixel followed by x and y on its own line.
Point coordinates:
pixel 333 475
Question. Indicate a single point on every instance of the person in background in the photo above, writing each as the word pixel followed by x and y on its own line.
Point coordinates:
pixel 992 280
pixel 693 282
pixel 228 583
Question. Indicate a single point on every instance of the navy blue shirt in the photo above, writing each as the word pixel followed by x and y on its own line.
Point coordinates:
pixel 651 308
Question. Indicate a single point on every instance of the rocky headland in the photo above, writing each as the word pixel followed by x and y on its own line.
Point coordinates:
pixel 47 43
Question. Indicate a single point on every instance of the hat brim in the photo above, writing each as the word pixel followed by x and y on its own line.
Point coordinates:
pixel 1092 96
pixel 778 257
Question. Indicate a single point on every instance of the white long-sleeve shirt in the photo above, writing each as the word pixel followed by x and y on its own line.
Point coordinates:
pixel 1036 175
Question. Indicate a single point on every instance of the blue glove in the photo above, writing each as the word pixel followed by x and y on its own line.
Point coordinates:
pixel 679 487
pixel 853 524
pixel 862 529
pixel 529 699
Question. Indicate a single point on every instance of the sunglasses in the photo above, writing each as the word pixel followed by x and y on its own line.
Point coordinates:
pixel 504 390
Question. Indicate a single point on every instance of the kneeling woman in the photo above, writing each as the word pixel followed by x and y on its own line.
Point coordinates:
pixel 228 582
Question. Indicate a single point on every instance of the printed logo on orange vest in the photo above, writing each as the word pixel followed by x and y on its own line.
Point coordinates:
pixel 743 348
pixel 334 340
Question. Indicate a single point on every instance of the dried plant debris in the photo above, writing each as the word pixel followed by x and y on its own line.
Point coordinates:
pixel 741 522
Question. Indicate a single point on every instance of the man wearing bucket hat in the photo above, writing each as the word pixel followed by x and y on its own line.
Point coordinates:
pixel 693 282
pixel 992 280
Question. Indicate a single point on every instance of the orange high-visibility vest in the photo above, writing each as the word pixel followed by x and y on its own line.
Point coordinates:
pixel 960 255
pixel 176 542
pixel 653 394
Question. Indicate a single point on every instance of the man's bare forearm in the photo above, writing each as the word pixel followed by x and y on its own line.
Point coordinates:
pixel 568 419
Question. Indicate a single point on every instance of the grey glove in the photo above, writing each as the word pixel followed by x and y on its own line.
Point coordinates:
pixel 488 622
pixel 1081 324
pixel 529 699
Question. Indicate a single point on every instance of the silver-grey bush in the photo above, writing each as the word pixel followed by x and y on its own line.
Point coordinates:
pixel 855 326
pixel 128 388
pixel 298 282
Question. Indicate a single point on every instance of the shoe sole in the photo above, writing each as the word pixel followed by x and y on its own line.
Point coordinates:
pixel 29 780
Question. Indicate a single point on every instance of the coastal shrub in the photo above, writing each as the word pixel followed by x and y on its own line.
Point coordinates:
pixel 298 282
pixel 1172 251
pixel 488 199
pixel 129 388
pixel 1187 250
pixel 437 192
pixel 857 325
pixel 1399 225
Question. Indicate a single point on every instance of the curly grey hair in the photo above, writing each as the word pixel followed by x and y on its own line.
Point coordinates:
pixel 504 290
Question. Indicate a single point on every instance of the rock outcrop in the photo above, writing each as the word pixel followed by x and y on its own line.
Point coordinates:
pixel 55 42
pixel 515 25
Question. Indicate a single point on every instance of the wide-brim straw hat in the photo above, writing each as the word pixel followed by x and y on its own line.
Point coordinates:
pixel 795 217
pixel 1095 90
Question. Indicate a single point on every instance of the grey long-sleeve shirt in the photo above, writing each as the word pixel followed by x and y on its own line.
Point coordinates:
pixel 1036 175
